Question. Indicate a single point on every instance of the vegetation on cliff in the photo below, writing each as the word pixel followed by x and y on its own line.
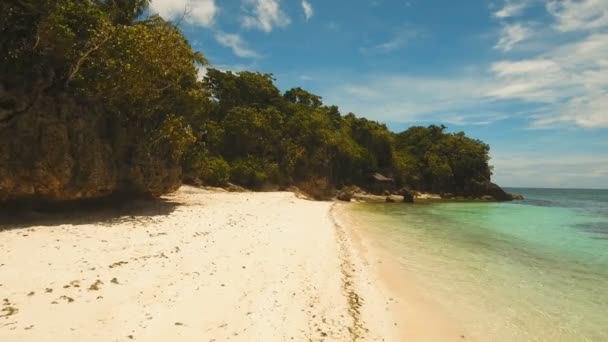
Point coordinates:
pixel 92 102
pixel 95 100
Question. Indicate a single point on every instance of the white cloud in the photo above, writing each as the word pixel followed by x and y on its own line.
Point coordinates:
pixel 396 43
pixel 565 86
pixel 307 7
pixel 572 79
pixel 511 35
pixel 236 43
pixel 577 15
pixel 406 98
pixel 561 83
pixel 194 12
pixel 264 15
pixel 512 8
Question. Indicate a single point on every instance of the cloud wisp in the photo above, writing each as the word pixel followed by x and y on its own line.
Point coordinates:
pixel 307 8
pixel 579 15
pixel 511 35
pixel 236 44
pixel 264 15
pixel 562 84
pixel 512 8
pixel 398 42
pixel 193 12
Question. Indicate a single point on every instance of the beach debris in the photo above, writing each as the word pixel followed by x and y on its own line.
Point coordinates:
pixel 73 283
pixel 67 299
pixel 95 285
pixel 48 290
pixel 31 293
pixel 8 309
pixel 114 281
pixel 119 263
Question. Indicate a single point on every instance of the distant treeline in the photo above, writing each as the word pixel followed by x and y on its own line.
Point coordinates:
pixel 153 111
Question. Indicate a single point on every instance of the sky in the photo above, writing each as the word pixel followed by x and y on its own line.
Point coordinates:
pixel 528 77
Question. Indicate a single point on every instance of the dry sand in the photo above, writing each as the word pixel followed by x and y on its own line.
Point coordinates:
pixel 196 266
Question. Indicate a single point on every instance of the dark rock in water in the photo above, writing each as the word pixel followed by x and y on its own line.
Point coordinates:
pixel 485 190
pixel 408 195
pixel 54 148
pixel 517 196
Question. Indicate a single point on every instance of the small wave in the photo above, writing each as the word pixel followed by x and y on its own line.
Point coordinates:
pixel 599 230
pixel 540 203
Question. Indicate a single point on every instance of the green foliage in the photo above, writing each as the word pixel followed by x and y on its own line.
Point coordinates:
pixel 177 133
pixel 124 12
pixel 141 74
pixel 295 139
pixel 242 89
pixel 431 159
pixel 235 126
pixel 254 172
pixel 216 171
pixel 301 96
pixel 251 131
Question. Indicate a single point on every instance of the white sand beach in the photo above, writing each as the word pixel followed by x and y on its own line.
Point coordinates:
pixel 196 266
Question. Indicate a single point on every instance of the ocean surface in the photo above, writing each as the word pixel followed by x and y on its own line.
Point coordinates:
pixel 531 270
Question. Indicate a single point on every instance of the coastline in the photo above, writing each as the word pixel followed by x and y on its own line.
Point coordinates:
pixel 418 316
pixel 195 265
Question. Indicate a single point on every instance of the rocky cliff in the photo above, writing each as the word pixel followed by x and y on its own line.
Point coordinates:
pixel 53 147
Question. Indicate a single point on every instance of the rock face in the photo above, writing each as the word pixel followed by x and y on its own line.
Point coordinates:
pixel 53 148
pixel 489 191
pixel 347 193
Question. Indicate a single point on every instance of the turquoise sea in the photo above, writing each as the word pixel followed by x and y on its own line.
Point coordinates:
pixel 531 270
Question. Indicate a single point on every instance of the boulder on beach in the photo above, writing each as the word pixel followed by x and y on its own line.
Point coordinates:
pixel 347 193
pixel 394 199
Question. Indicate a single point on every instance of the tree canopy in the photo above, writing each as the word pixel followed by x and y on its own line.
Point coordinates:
pixel 227 126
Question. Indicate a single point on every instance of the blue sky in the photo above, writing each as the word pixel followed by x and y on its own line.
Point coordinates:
pixel 529 77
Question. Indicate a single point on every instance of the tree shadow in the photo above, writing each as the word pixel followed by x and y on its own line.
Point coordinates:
pixel 106 211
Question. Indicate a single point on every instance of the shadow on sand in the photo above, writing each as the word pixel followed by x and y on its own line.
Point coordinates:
pixel 105 211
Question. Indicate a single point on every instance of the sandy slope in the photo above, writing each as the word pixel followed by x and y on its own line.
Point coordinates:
pixel 198 266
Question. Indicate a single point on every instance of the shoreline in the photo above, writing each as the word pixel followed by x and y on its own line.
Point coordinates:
pixel 419 317
pixel 202 264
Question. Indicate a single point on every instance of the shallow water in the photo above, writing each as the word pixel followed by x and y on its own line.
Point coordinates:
pixel 531 270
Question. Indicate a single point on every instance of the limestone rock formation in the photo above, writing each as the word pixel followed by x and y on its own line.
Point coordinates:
pixel 54 148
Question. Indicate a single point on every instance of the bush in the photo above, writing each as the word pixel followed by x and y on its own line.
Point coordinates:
pixel 254 172
pixel 216 171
